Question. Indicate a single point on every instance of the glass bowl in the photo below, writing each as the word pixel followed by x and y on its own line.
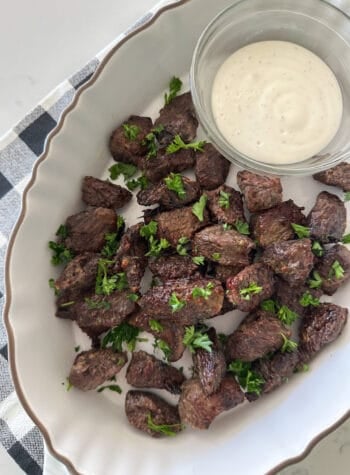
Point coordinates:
pixel 313 24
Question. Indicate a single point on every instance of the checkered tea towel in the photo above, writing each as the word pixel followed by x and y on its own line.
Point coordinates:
pixel 19 150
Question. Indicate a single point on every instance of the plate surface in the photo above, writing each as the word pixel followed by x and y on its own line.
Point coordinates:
pixel 89 431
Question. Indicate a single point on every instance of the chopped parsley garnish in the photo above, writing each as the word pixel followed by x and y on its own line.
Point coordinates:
pixel 155 325
pixel 269 306
pixel 227 227
pixel 77 348
pixel 216 256
pixel 199 207
pixel 196 339
pixel 242 227
pixel 156 247
pixel 317 249
pixel 165 429
pixel 131 131
pixel 222 338
pixel 61 255
pixel 198 260
pixel 175 86
pixel 62 231
pixel 224 199
pixel 151 141
pixel 252 289
pixel 181 246
pixel 126 169
pixel 67 304
pixel 346 239
pixel 124 333
pixel 133 297
pixel 316 281
pixel 52 285
pixel 203 292
pixel 249 380
pixel 307 299
pixel 162 346
pixel 288 345
pixel 111 387
pixel 175 303
pixel 149 229
pixel 178 144
pixel 141 182
pixel 301 231
pixel 305 368
pixel 69 385
pixel 336 270
pixel 111 246
pixel 175 183
pixel 286 315
pixel 105 284
pixel 347 196
pixel 97 305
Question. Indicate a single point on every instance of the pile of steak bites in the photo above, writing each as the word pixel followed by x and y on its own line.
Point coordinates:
pixel 207 259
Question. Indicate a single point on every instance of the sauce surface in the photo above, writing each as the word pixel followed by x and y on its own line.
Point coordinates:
pixel 277 102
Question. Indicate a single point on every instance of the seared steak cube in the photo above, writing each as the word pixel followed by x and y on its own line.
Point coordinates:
pixel 158 167
pixel 222 272
pixel 258 334
pixel 247 289
pixel 198 410
pixel 336 176
pixel 229 248
pixel 327 219
pixel 211 167
pixel 334 268
pixel 175 301
pixel 178 118
pixel 322 325
pixel 291 260
pixel 274 224
pixel 79 273
pixel 87 229
pixel 173 267
pixel 92 368
pixel 126 147
pixel 225 205
pixel 210 367
pixel 168 199
pixel 104 194
pixel 145 371
pixel 260 192
pixel 290 296
pixel 145 411
pixel 179 223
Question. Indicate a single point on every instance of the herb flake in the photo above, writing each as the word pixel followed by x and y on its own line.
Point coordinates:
pixel 178 144
pixel 196 339
pixel 175 183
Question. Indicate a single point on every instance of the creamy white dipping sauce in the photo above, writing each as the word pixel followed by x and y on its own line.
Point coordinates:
pixel 276 102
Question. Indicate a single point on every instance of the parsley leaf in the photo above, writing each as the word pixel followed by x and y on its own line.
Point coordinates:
pixel 286 315
pixel 125 169
pixel 301 231
pixel 203 292
pixel 156 247
pixel 178 144
pixel 124 333
pixel 133 297
pixel 216 256
pixel 162 346
pixel 111 387
pixel 52 285
pixel 105 284
pixel 175 183
pixel 224 199
pixel 155 325
pixel 61 255
pixel 175 303
pixel 317 249
pixel 249 380
pixel 111 246
pixel 346 239
pixel 181 246
pixel 269 306
pixel 242 227
pixel 175 86
pixel 288 345
pixel 149 229
pixel 62 231
pixel 199 207
pixel 347 196
pixel 198 260
pixel 165 429
pixel 151 141
pixel 316 281
pixel 252 289
pixel 141 182
pixel 307 299
pixel 131 131
pixel 336 270
pixel 195 339
pixel 96 305
pixel 227 227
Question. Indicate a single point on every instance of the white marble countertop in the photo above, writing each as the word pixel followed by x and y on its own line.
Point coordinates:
pixel 42 43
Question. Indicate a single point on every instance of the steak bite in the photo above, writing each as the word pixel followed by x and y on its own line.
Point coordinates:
pixel 168 199
pixel 174 301
pixel 259 334
pixel 97 314
pixel 260 192
pixel 336 176
pixel 327 219
pixel 290 296
pixel 211 167
pixel 104 194
pixel 210 367
pixel 87 229
pixel 129 147
pixel 229 248
pixel 145 371
pixel 291 260
pixel 92 368
pixel 225 205
pixel 334 268
pixel 79 273
pixel 145 411
pixel 322 325
pixel 130 257
pixel 173 267
pixel 247 289
pixel 198 410
pixel 222 273
pixel 158 167
pixel 178 118
pixel 274 224
pixel 179 223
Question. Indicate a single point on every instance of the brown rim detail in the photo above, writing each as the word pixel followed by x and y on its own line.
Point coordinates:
pixel 11 339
